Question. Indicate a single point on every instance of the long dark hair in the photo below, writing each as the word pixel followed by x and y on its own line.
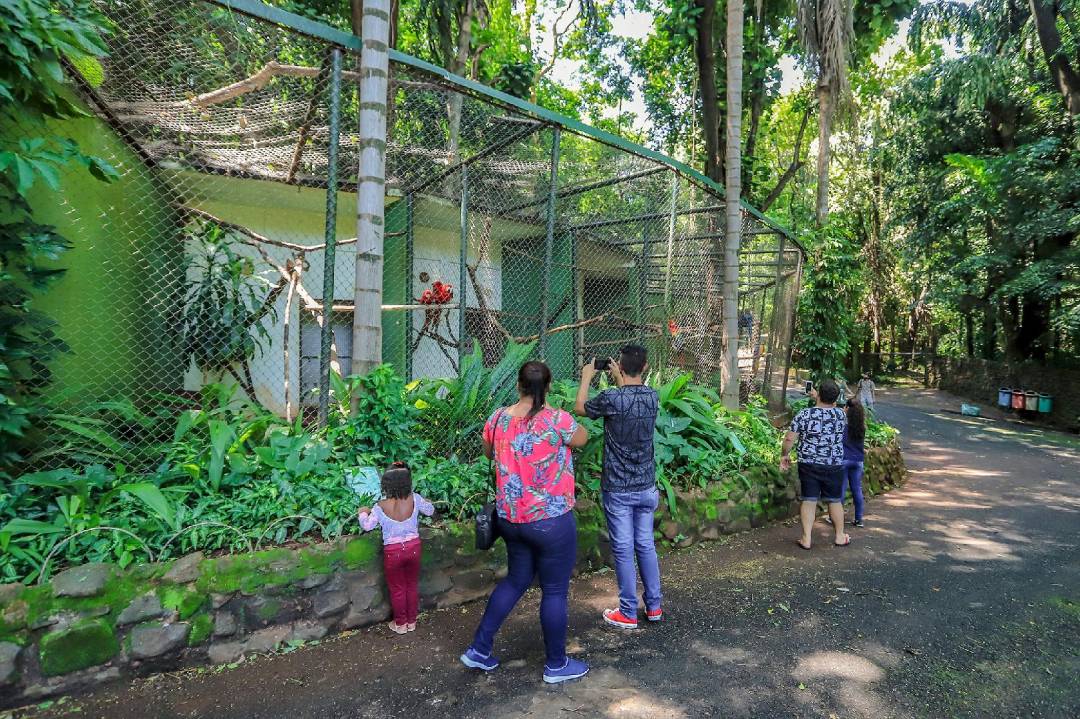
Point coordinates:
pixel 397 481
pixel 534 378
pixel 856 421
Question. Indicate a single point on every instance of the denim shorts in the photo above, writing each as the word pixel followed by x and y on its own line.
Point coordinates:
pixel 821 482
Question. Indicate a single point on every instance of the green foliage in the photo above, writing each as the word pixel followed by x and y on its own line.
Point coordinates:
pixel 220 326
pixel 829 301
pixel 454 410
pixel 38 36
pixel 383 428
pixel 880 434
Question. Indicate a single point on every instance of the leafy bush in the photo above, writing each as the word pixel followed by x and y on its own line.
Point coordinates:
pixel 225 460
pixel 384 426
pixel 455 409
pixel 879 434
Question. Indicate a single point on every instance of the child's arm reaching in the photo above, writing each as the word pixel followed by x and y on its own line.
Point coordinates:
pixel 367 518
pixel 426 508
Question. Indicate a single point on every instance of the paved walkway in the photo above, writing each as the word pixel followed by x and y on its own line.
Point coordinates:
pixel 960 598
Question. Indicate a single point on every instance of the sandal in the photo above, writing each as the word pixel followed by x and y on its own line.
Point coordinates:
pixel 845 543
pixel 801 545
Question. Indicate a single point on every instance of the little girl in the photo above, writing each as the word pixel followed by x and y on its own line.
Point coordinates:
pixel 397 516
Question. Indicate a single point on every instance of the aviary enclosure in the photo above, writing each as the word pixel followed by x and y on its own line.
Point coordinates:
pixel 226 250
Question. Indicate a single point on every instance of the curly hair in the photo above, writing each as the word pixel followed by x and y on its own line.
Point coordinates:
pixel 397 481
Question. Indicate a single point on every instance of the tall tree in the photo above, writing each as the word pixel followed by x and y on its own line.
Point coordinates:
pixel 705 55
pixel 371 190
pixel 826 34
pixel 1062 67
pixel 729 375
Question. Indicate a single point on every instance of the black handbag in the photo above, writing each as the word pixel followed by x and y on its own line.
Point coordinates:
pixel 486 530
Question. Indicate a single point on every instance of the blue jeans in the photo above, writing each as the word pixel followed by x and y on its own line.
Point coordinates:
pixel 630 527
pixel 853 472
pixel 547 548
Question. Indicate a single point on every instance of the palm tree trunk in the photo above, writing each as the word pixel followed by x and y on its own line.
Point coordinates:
pixel 370 194
pixel 825 117
pixel 729 373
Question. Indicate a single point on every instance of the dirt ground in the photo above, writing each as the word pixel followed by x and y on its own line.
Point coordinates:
pixel 961 597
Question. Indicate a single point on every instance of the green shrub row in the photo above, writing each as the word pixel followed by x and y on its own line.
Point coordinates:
pixel 222 473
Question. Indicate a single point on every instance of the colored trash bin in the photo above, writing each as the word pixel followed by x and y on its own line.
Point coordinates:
pixel 1046 403
pixel 1031 401
pixel 1005 397
pixel 1018 399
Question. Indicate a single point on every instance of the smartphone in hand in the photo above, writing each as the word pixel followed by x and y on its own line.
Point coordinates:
pixel 809 387
pixel 601 365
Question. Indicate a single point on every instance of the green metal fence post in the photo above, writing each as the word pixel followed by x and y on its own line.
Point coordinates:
pixel 670 242
pixel 462 259
pixel 327 330
pixel 642 288
pixel 410 291
pixel 549 241
pixel 774 324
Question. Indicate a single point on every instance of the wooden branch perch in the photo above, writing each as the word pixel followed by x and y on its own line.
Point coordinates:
pixel 258 81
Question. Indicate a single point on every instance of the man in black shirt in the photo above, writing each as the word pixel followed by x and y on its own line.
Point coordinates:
pixel 628 480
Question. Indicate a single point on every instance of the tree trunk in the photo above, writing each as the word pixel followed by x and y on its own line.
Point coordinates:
pixel 729 374
pixel 370 192
pixel 1064 74
pixel 705 54
pixel 460 61
pixel 825 115
pixel 989 322
pixel 969 334
pixel 794 167
pixel 757 99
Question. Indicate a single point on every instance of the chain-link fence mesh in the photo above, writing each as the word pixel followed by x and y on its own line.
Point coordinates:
pixel 204 262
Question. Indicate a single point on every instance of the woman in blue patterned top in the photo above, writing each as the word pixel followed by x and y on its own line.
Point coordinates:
pixel 819 432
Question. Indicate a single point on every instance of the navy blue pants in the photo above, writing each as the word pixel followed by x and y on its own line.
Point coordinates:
pixel 546 549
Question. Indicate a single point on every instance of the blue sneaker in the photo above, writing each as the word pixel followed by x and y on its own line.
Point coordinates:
pixel 475 660
pixel 573 669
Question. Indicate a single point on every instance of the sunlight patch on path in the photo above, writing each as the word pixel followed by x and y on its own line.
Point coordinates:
pixel 605 693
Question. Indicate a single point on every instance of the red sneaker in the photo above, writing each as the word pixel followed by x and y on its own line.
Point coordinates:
pixel 655 615
pixel 616 619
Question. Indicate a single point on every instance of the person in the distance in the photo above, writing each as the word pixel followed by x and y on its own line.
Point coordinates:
pixel 628 480
pixel 819 432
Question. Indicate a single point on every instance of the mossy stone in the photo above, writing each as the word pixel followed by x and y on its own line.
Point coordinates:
pixel 84 644
pixel 201 627
pixel 185 602
pixel 361 551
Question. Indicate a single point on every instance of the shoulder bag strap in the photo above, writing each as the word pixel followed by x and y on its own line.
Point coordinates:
pixel 491 459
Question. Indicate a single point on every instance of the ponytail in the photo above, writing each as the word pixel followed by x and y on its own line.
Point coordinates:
pixel 397 481
pixel 534 379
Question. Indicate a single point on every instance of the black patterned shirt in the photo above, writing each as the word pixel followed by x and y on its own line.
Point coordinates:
pixel 821 433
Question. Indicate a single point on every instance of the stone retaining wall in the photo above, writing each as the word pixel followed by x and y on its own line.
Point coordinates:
pixel 95 622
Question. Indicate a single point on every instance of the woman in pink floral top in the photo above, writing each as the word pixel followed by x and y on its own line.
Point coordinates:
pixel 530 444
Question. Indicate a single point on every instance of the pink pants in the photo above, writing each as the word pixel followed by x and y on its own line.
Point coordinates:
pixel 401 564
